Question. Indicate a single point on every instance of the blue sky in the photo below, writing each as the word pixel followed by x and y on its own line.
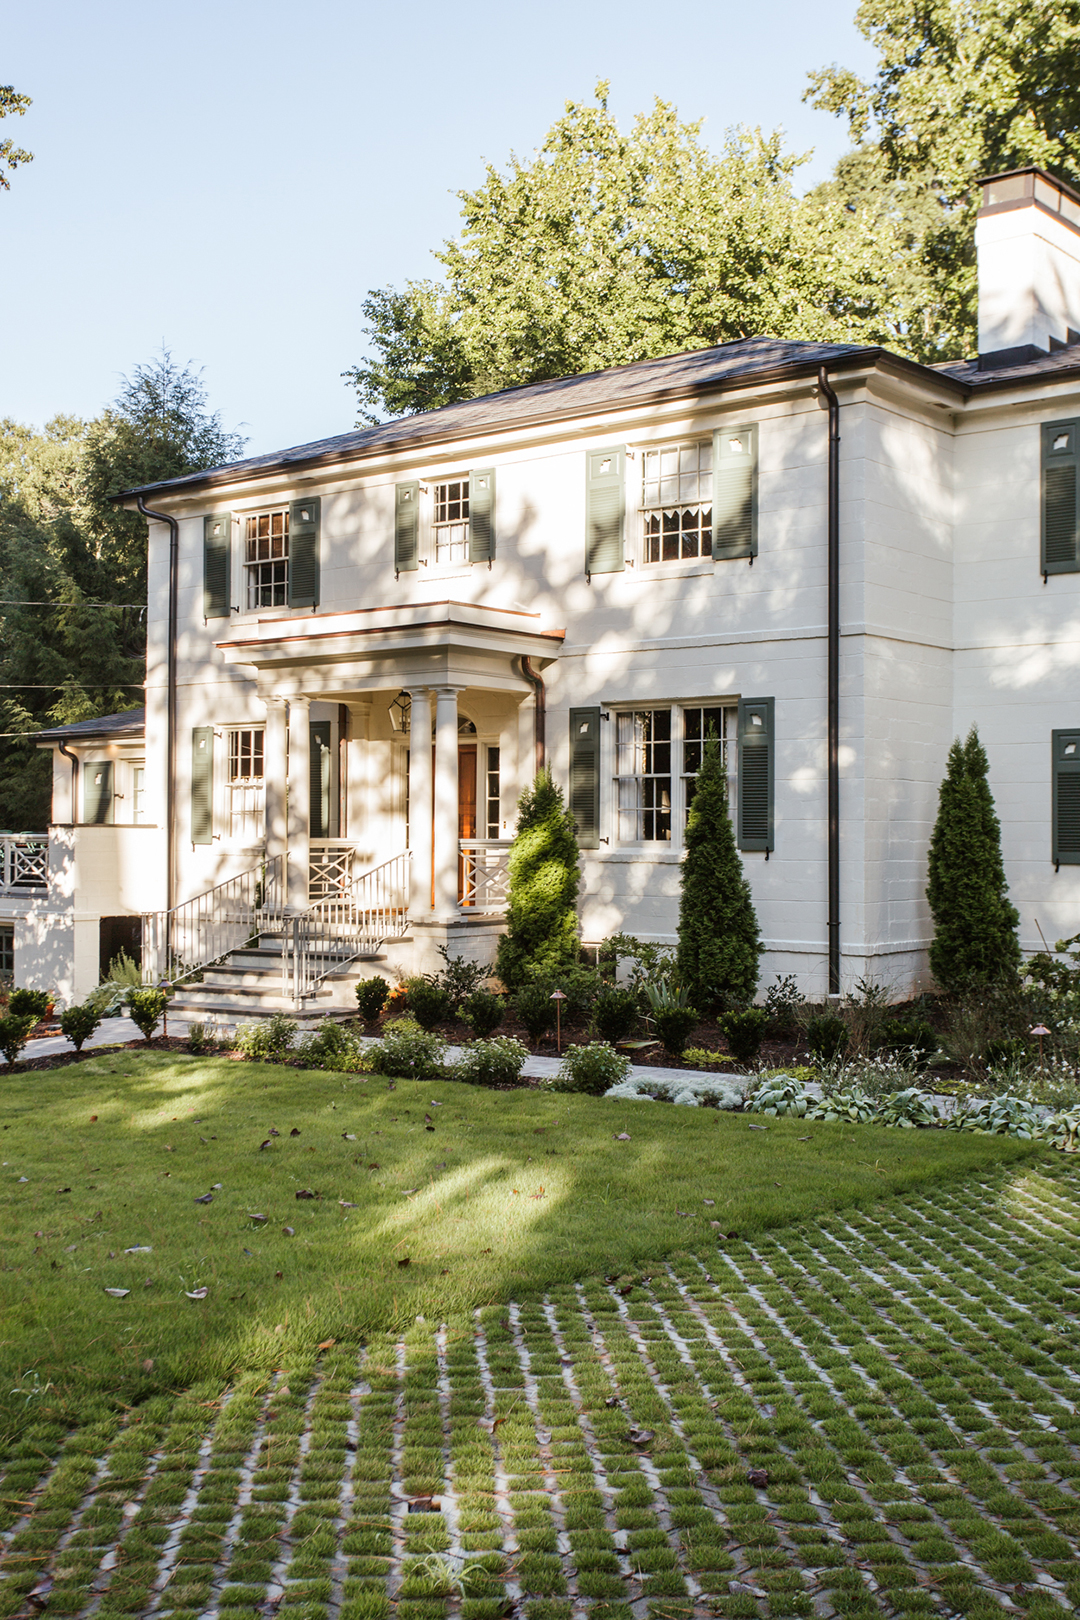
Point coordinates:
pixel 231 177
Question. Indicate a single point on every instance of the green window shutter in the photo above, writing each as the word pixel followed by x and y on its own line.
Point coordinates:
pixel 98 792
pixel 734 513
pixel 320 779
pixel 202 785
pixel 1065 758
pixel 605 511
pixel 585 775
pixel 304 553
pixel 482 515
pixel 406 527
pixel 756 749
pixel 1060 497
pixel 217 547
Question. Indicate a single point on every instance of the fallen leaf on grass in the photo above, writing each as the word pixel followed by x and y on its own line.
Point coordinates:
pixel 207 1198
pixel 273 1132
pixel 196 1293
pixel 802 1139
pixel 93 1117
pixel 709 1201
pixel 757 1127
pixel 260 1220
pixel 38 1599
pixel 425 1504
pixel 279 1275
pixel 403 1263
pixel 305 1192
pixel 294 1131
pixel 289 1231
pixel 429 1127
pixel 169 1149
pixel 327 1344
pixel 140 1248
pixel 374 1166
pixel 345 1205
pixel 348 1136
pixel 59 1189
pixel 118 1293
pixel 538 1194
pixel 714 1223
pixel 758 1477
pixel 641 1437
pixel 623 1136
pixel 409 1192
pixel 265 1144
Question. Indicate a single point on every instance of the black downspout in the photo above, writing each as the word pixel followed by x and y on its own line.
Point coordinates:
pixel 539 723
pixel 833 680
pixel 170 707
pixel 74 758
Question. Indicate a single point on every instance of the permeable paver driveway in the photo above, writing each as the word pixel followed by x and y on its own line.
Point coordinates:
pixel 873 1414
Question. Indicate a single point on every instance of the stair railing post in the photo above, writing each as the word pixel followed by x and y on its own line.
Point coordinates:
pixel 297 989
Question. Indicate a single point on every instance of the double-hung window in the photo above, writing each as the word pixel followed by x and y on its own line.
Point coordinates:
pixel 246 782
pixel 451 521
pixel 676 502
pixel 658 755
pixel 266 559
pixel 7 953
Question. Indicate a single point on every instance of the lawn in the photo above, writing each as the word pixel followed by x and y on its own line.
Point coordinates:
pixel 855 1395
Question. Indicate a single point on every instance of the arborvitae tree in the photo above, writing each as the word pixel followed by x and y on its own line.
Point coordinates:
pixel 542 920
pixel 719 939
pixel 975 923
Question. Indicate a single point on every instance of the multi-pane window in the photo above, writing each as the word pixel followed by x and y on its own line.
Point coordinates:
pixel 246 783
pixel 492 797
pixel 266 559
pixel 676 502
pixel 451 521
pixel 7 953
pixel 699 723
pixel 138 792
pixel 643 775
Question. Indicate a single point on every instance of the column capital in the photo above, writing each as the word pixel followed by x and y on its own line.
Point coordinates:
pixel 273 701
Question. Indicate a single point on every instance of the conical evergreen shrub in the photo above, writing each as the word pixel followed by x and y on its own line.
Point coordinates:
pixel 719 939
pixel 542 937
pixel 975 923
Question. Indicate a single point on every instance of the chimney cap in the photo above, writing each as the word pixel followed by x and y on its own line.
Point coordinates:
pixel 1021 188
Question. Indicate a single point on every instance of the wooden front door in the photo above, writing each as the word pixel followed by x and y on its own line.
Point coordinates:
pixel 466 804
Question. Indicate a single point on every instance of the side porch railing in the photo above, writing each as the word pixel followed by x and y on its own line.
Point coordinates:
pixel 204 930
pixel 484 873
pixel 24 863
pixel 344 925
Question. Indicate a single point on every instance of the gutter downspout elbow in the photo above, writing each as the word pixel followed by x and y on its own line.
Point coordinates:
pixel 74 758
pixel 170 703
pixel 833 680
pixel 539 722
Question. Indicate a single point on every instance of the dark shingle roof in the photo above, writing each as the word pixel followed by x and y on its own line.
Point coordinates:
pixel 670 376
pixel 131 723
pixel 1058 364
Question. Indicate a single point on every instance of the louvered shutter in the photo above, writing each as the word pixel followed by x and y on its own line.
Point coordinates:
pixel 217 547
pixel 1060 497
pixel 304 553
pixel 320 779
pixel 482 515
pixel 734 493
pixel 1065 757
pixel 202 785
pixel 406 527
pixel 585 775
pixel 756 748
pixel 97 791
pixel 605 510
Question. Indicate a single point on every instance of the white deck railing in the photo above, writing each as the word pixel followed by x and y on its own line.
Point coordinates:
pixel 204 930
pixel 331 865
pixel 337 929
pixel 24 863
pixel 485 874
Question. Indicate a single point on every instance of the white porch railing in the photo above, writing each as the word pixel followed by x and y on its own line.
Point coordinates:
pixel 485 874
pixel 336 930
pixel 330 868
pixel 24 863
pixel 204 930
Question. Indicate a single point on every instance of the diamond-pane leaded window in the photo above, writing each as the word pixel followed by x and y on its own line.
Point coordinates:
pixel 676 502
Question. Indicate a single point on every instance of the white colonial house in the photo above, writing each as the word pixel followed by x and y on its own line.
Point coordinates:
pixel 361 648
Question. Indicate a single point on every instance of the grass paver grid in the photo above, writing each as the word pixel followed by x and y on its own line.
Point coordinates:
pixel 872 1414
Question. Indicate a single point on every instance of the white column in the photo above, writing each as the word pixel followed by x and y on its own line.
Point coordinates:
pixel 299 802
pixel 275 773
pixel 420 803
pixel 445 852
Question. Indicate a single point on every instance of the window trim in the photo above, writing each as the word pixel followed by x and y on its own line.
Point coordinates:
pixel 673 847
pixel 225 811
pixel 703 560
pixel 246 518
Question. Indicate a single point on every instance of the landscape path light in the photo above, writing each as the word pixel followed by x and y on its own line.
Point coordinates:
pixel 558 997
pixel 1040 1030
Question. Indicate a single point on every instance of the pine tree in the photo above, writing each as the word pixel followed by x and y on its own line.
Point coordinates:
pixel 975 923
pixel 719 939
pixel 542 936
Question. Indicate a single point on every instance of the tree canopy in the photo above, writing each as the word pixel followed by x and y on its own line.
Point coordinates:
pixel 73 566
pixel 10 154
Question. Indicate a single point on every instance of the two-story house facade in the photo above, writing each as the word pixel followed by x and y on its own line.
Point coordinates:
pixel 834 558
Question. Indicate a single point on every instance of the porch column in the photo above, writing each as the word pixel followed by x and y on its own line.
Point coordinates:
pixel 445 852
pixel 299 802
pixel 420 802
pixel 275 772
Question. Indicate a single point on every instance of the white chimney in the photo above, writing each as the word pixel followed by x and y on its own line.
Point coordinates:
pixel 1027 238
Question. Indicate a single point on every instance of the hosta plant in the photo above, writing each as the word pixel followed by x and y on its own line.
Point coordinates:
pixel 909 1108
pixel 1062 1131
pixel 780 1096
pixel 999 1116
pixel 851 1107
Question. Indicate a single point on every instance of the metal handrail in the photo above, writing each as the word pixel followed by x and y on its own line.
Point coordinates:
pixel 205 929
pixel 336 930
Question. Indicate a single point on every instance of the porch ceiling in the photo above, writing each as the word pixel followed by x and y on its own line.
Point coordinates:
pixel 369 649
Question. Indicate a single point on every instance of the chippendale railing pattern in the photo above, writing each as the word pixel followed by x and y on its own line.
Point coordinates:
pixel 331 868
pixel 485 874
pixel 24 863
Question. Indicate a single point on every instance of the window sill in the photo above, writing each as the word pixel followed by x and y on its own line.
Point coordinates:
pixel 689 568
pixel 665 854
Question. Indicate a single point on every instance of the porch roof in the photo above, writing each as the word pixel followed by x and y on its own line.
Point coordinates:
pixel 419 643
pixel 126 726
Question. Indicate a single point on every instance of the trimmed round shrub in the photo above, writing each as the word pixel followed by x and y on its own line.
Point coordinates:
pixel 914 1037
pixel 408 1052
pixel 33 1004
pixel 79 1023
pixel 614 1014
pixel 744 1032
pixel 371 997
pixel 592 1069
pixel 429 1004
pixel 826 1036
pixel 483 1011
pixel 14 1034
pixel 675 1025
pixel 491 1063
pixel 147 1009
pixel 535 1008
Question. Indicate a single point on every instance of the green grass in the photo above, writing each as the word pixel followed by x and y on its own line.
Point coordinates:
pixel 485 1196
